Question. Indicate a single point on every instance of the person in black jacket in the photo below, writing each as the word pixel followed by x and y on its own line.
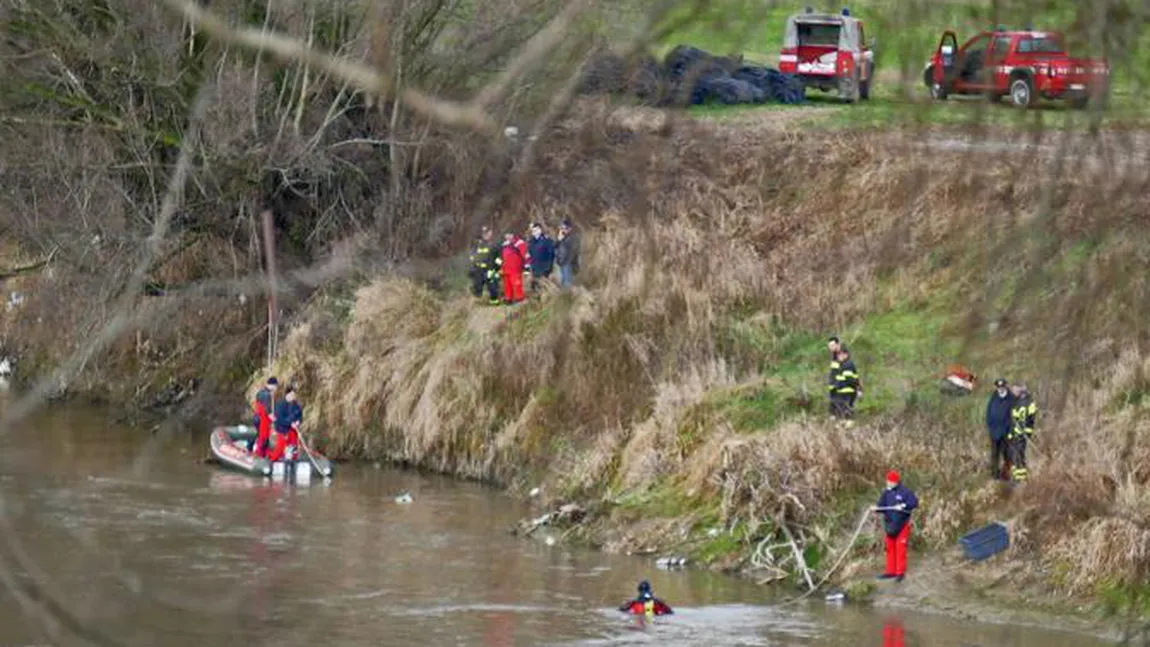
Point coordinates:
pixel 567 253
pixel 484 266
pixel 998 425
pixel 541 249
pixel 843 385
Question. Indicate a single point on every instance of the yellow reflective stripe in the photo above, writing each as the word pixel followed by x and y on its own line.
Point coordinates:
pixel 846 374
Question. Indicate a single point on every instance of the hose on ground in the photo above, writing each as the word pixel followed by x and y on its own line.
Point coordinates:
pixel 842 557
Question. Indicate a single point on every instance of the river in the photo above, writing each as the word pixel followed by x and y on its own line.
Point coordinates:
pixel 146 544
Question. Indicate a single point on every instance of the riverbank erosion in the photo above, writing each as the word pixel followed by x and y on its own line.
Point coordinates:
pixel 678 392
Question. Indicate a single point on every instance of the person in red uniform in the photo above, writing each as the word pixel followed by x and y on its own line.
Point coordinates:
pixel 646 604
pixel 515 263
pixel 289 415
pixel 895 506
pixel 264 406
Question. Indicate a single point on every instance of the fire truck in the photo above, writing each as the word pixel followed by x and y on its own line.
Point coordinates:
pixel 829 52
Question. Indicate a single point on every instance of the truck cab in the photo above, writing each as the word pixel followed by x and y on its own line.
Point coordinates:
pixel 829 52
pixel 1025 66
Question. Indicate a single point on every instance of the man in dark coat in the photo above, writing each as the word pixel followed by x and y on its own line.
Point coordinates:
pixel 895 506
pixel 567 253
pixel 541 249
pixel 998 425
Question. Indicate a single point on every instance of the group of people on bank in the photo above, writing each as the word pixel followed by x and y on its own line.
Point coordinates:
pixel 281 417
pixel 501 269
pixel 1011 414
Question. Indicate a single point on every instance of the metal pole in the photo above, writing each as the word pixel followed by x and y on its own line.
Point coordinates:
pixel 270 258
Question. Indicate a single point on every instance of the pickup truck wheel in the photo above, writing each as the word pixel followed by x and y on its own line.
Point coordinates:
pixel 1021 93
pixel 937 92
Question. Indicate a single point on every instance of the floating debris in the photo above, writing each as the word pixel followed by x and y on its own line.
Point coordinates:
pixel 534 492
pixel 671 562
pixel 836 596
pixel 404 498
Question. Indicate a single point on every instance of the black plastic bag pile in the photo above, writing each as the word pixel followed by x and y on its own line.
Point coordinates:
pixel 690 76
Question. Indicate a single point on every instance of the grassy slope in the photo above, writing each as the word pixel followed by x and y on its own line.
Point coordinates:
pixel 681 396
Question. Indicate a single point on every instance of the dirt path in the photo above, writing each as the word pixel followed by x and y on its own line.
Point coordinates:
pixel 990 592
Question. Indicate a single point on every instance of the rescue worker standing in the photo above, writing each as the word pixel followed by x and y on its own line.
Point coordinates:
pixel 843 385
pixel 1023 415
pixel 485 260
pixel 264 407
pixel 999 422
pixel 289 415
pixel 895 505
pixel 515 263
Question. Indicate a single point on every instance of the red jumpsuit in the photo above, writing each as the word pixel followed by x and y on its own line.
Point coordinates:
pixel 515 262
pixel 263 406
pixel 896 551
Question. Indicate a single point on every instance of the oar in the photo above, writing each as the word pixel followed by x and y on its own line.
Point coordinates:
pixel 307 450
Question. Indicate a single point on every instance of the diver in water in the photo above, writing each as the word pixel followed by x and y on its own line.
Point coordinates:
pixel 646 603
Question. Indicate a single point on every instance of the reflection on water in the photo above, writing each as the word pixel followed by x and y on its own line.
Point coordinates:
pixel 143 541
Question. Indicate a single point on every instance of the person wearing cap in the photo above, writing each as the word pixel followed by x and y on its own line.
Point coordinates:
pixel 843 384
pixel 999 421
pixel 541 249
pixel 895 505
pixel 567 253
pixel 646 604
pixel 1023 414
pixel 264 407
pixel 289 416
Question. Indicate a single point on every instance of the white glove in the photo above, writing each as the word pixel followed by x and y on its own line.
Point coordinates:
pixel 901 506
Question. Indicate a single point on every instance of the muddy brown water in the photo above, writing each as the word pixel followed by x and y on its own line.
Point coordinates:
pixel 147 545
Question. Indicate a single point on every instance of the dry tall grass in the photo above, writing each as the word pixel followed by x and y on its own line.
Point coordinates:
pixel 688 227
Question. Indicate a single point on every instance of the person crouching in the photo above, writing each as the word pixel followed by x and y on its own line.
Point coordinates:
pixel 289 415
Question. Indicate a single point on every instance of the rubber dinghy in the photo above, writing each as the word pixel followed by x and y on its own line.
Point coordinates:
pixel 230 448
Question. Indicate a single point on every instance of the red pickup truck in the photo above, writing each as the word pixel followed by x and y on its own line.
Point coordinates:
pixel 1023 65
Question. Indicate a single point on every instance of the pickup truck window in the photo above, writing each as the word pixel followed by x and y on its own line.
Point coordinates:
pixel 818 34
pixel 1045 45
pixel 1001 46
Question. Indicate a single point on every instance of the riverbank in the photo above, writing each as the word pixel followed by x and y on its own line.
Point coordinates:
pixel 677 393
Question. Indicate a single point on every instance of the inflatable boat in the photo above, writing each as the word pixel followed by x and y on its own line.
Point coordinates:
pixel 230 448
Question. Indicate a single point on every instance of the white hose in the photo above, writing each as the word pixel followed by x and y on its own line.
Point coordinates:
pixel 846 551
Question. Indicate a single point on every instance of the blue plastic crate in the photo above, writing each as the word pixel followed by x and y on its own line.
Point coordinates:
pixel 985 542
